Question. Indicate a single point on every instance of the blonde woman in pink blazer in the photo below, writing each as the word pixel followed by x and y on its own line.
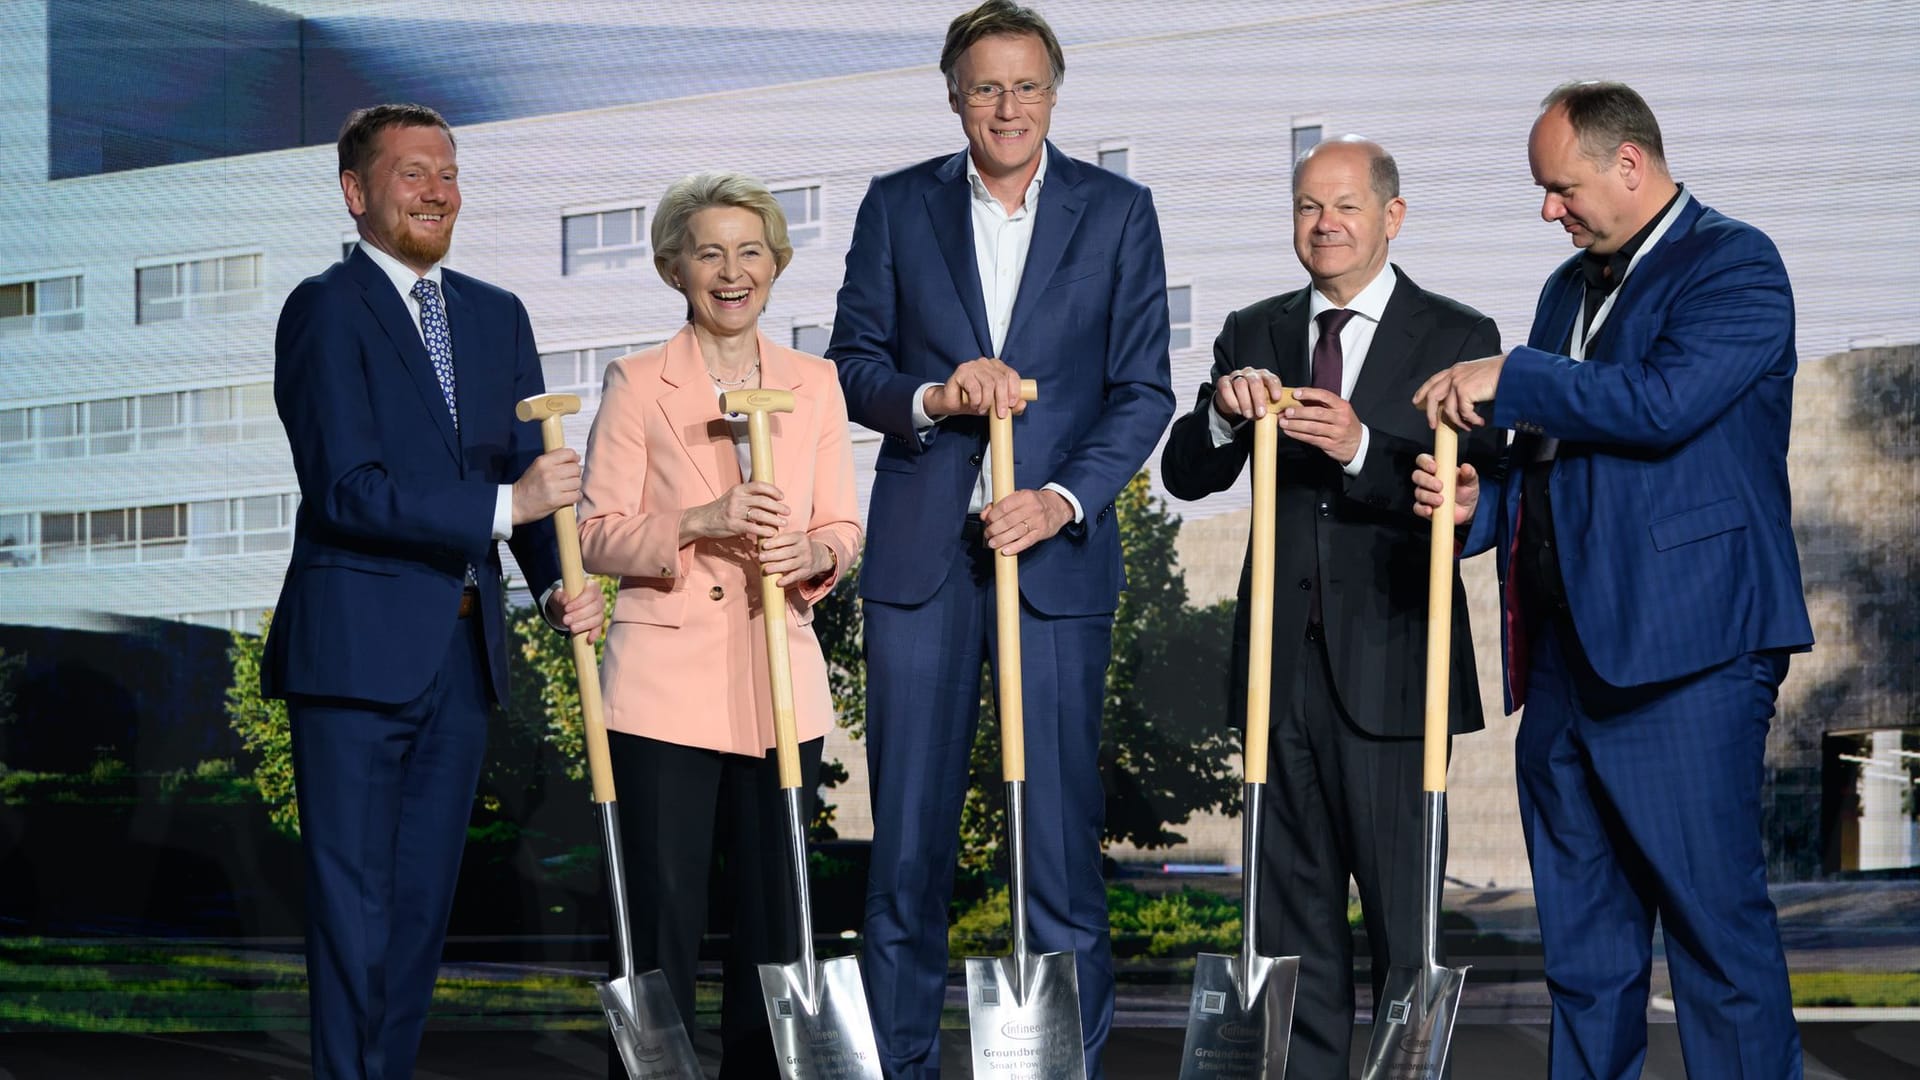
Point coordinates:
pixel 666 506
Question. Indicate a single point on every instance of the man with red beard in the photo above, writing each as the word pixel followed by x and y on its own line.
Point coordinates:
pixel 396 381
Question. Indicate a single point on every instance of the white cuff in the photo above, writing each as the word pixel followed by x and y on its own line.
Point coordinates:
pixel 1071 501
pixel 1218 426
pixel 922 423
pixel 548 595
pixel 503 513
pixel 1352 468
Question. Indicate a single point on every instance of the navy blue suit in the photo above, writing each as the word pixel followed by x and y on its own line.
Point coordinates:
pixel 388 688
pixel 1089 322
pixel 1640 755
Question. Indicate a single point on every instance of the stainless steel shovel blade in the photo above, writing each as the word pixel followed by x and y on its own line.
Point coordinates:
pixel 1024 1009
pixel 1413 1020
pixel 1024 1012
pixel 1241 1016
pixel 1238 1029
pixel 826 1033
pixel 645 1023
pixel 646 1028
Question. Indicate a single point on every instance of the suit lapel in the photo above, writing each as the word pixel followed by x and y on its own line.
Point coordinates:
pixel 390 311
pixel 1289 333
pixel 1405 320
pixel 949 204
pixel 1059 213
pixel 694 413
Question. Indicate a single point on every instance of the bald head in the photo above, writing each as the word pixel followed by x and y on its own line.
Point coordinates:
pixel 1346 208
pixel 1383 173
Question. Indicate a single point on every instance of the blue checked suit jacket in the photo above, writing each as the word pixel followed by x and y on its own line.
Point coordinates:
pixel 1669 488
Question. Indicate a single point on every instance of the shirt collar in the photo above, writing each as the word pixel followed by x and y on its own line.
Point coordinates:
pixel 1370 302
pixel 979 183
pixel 1604 272
pixel 398 272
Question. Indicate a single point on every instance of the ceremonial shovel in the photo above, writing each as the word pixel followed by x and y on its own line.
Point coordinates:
pixel 1241 1014
pixel 1413 1020
pixel 1024 1009
pixel 646 1025
pixel 816 1010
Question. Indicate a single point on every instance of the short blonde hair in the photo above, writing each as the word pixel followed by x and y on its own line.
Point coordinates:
pixel 704 191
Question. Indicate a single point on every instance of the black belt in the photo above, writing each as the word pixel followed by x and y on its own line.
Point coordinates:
pixel 1316 632
pixel 974 531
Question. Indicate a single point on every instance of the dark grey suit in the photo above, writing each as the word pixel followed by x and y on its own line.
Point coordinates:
pixel 1344 790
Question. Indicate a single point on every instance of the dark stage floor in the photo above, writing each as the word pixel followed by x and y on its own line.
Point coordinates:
pixel 1835 1051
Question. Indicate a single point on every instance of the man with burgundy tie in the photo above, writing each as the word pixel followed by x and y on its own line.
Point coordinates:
pixel 1643 530
pixel 1350 601
pixel 396 380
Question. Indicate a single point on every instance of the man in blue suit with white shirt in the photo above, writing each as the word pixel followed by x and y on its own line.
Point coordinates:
pixel 1651 591
pixel 966 274
pixel 396 381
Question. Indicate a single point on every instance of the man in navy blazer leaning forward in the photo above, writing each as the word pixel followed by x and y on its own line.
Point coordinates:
pixel 396 381
pixel 1652 593
pixel 967 273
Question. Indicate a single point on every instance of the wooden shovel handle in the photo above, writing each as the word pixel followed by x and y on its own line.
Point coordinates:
pixel 1006 595
pixel 593 720
pixel 1446 459
pixel 1266 439
pixel 773 612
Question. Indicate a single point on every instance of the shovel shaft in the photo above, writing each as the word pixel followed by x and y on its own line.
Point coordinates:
pixel 802 900
pixel 566 529
pixel 1017 868
pixel 617 887
pixel 1446 456
pixel 773 612
pixel 1006 596
pixel 1250 880
pixel 1266 436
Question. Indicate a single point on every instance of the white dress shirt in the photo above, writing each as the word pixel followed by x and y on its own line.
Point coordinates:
pixel 1000 244
pixel 1355 339
pixel 403 278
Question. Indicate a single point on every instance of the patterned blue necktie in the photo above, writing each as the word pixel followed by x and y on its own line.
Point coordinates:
pixel 433 327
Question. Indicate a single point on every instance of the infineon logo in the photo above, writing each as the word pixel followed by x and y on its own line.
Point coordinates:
pixel 1020 1029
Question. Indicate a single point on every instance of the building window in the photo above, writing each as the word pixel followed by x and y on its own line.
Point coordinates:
pixel 1180 317
pixel 19 546
pixel 197 288
pixel 806 222
pixel 48 305
pixel 16 435
pixel 603 240
pixel 812 337
pixel 1870 788
pixel 1306 136
pixel 584 371
pixel 1118 159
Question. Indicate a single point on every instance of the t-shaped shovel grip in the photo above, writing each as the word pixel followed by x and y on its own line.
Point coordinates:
pixel 757 405
pixel 550 410
pixel 1446 465
pixel 1006 595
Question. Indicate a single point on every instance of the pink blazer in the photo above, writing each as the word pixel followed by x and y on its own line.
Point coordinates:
pixel 686 658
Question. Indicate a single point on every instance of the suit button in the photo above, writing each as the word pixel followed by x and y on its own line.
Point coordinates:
pixel 974 460
pixel 1326 509
pixel 716 593
pixel 1306 584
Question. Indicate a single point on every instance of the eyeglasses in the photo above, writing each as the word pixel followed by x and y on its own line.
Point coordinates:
pixel 1026 93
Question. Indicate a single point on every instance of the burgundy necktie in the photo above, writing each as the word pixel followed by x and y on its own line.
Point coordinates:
pixel 1326 351
pixel 1326 376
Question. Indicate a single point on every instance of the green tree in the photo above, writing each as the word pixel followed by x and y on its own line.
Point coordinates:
pixel 261 723
pixel 10 669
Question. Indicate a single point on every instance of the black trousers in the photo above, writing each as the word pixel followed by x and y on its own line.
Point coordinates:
pixel 1340 803
pixel 680 807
